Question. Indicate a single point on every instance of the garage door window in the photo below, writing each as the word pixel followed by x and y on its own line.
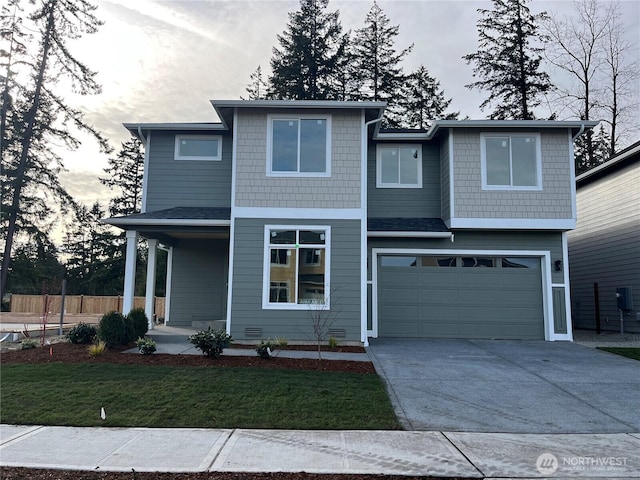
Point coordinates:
pixel 438 261
pixel 478 262
pixel 396 261
pixel 432 261
pixel 521 262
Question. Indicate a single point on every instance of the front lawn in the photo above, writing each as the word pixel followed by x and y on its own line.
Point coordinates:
pixel 629 352
pixel 205 397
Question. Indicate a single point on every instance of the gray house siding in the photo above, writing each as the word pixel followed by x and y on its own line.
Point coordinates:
pixel 341 190
pixel 406 202
pixel 249 321
pixel 186 183
pixel 554 201
pixel 445 181
pixel 198 283
pixel 605 249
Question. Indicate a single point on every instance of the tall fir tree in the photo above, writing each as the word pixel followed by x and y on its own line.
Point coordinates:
pixel 508 60
pixel 44 116
pixel 377 64
pixel 125 173
pixel 304 66
pixel 422 100
pixel 257 87
pixel 588 156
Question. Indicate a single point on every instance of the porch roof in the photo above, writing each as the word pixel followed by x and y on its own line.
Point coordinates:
pixel 176 216
pixel 407 227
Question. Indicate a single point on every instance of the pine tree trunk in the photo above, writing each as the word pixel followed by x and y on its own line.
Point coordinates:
pixel 26 145
pixel 521 66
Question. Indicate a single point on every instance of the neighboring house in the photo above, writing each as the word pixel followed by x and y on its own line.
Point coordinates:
pixel 605 246
pixel 289 208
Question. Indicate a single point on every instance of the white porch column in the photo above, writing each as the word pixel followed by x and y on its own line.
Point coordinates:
pixel 150 295
pixel 130 271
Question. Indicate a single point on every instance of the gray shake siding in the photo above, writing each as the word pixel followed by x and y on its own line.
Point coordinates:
pixel 255 189
pixel 249 321
pixel 198 284
pixel 406 202
pixel 552 202
pixel 186 183
pixel 445 181
pixel 605 248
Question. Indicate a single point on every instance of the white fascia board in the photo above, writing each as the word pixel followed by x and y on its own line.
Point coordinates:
pixel 512 124
pixel 136 128
pixel 170 222
pixel 514 223
pixel 409 234
pixel 299 213
pixel 402 136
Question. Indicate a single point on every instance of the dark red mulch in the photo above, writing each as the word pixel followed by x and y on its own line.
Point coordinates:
pixel 70 353
pixel 11 473
pixel 311 348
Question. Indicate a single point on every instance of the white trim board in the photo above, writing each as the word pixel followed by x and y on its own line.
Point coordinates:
pixel 299 213
pixel 514 223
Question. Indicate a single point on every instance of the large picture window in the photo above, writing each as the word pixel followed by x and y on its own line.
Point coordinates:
pixel 299 146
pixel 511 162
pixel 296 266
pixel 399 166
pixel 198 147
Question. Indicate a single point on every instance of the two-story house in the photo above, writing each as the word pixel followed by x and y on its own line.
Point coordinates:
pixel 286 210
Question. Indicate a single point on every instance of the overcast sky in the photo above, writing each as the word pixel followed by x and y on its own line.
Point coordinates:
pixel 162 61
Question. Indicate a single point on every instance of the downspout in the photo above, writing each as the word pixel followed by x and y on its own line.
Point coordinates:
pixel 365 244
pixel 580 132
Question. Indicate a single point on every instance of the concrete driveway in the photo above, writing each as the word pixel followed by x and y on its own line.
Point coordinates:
pixel 508 386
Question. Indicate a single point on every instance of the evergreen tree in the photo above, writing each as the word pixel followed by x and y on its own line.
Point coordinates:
pixel 599 148
pixel 377 71
pixel 304 66
pixel 35 264
pixel 507 62
pixel 125 177
pixel 257 88
pixel 422 100
pixel 44 115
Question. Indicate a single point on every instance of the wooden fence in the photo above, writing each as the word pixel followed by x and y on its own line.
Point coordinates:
pixel 76 304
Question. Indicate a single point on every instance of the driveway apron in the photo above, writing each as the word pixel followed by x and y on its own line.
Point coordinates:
pixel 508 386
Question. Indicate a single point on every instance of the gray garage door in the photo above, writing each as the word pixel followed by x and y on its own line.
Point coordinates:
pixel 460 297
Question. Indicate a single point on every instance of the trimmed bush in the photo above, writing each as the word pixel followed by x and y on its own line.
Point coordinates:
pixel 211 342
pixel 137 324
pixel 82 333
pixel 112 329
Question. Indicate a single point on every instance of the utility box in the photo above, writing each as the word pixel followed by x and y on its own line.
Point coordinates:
pixel 624 298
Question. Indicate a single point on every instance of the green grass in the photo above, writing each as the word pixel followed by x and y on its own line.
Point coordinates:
pixel 207 397
pixel 629 352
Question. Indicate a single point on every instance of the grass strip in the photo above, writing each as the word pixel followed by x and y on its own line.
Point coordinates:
pixel 204 397
pixel 629 352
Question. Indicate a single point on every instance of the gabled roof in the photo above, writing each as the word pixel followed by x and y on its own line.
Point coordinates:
pixel 407 227
pixel 628 156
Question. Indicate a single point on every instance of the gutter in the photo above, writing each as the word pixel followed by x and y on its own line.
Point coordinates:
pixel 141 136
pixel 398 234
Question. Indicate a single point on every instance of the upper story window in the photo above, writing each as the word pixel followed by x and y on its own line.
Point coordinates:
pixel 299 146
pixel 511 162
pixel 399 166
pixel 198 147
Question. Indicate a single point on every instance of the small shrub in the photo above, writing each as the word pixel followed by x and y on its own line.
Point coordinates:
pixel 112 330
pixel 265 349
pixel 333 342
pixel 97 349
pixel 281 341
pixel 137 324
pixel 82 333
pixel 211 342
pixel 146 345
pixel 28 343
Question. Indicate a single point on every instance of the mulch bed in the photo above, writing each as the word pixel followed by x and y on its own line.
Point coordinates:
pixel 70 353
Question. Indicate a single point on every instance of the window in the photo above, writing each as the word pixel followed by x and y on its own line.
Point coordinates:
pixel 296 270
pixel 398 261
pixel 299 146
pixel 511 162
pixel 399 166
pixel 198 147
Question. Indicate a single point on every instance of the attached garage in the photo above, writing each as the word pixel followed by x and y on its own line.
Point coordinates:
pixel 459 296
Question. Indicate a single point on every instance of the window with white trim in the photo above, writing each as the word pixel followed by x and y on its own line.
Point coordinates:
pixel 299 145
pixel 296 266
pixel 399 166
pixel 511 161
pixel 198 147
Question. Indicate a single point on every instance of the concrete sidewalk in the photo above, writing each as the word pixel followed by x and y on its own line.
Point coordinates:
pixel 472 455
